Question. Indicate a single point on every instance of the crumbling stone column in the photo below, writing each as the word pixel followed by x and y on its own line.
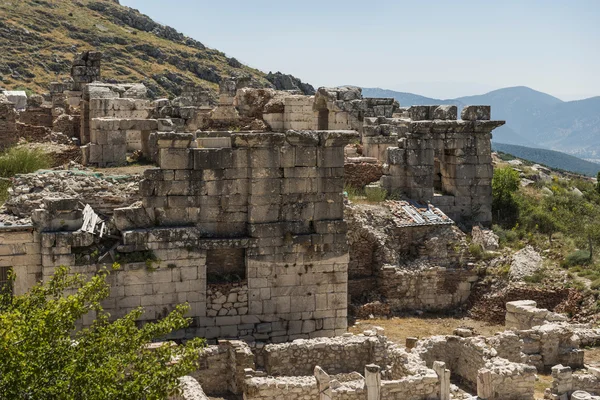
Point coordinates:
pixel 562 383
pixel 444 376
pixel 373 381
pixel 323 383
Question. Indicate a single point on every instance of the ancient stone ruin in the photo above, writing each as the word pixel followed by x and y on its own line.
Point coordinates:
pixel 243 211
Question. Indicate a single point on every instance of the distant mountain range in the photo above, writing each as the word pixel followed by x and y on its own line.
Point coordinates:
pixel 550 158
pixel 533 119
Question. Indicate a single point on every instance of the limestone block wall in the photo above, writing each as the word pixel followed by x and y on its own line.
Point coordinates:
pixel 551 344
pixel 452 156
pixel 565 382
pixel 380 133
pixel 112 138
pixel 478 365
pixel 227 299
pixel 8 119
pixel 85 68
pixel 222 367
pixel 334 355
pixel 435 288
pixel 464 357
pixel 273 198
pixel 292 388
pixel 524 314
pixel 110 101
pixel 20 251
pixel 299 114
pixel 157 285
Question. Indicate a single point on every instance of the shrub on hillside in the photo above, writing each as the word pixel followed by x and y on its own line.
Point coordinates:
pixel 579 257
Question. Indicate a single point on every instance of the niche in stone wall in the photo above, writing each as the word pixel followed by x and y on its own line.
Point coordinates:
pixel 225 265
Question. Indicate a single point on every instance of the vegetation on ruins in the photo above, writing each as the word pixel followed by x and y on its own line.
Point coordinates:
pixel 558 216
pixel 45 356
pixel 20 160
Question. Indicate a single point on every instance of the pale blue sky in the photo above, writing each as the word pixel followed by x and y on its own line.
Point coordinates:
pixel 435 48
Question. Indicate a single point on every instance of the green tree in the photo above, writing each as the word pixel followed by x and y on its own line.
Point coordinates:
pixel 44 356
pixel 505 183
pixel 546 222
pixel 598 182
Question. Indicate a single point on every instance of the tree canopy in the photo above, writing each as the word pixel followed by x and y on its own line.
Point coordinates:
pixel 45 356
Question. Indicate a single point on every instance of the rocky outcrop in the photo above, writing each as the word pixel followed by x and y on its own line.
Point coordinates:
pixel 289 82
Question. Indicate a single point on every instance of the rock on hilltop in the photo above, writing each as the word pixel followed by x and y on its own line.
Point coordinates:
pixel 38 39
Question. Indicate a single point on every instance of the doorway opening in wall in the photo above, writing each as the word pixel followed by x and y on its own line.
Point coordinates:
pixel 5 280
pixel 437 176
pixel 323 124
pixel 225 265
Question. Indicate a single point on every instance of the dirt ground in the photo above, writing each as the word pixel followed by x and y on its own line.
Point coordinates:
pixel 126 170
pixel 397 329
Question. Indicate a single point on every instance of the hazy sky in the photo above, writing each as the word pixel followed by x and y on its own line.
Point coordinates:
pixel 437 48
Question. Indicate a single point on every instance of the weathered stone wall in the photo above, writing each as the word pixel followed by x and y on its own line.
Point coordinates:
pixel 103 193
pixel 431 289
pixel 334 355
pixel 264 191
pixel 8 119
pixel 20 249
pixel 85 68
pixel 437 152
pixel 221 367
pixel 31 133
pixel 524 314
pixel 111 138
pixel 358 174
pixel 477 363
pixel 38 116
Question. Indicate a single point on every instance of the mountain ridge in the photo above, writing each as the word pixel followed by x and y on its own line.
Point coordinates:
pixel 533 118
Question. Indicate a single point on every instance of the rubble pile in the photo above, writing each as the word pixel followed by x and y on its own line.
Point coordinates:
pixel 103 193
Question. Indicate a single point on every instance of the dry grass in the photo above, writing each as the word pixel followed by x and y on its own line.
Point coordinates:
pixel 397 329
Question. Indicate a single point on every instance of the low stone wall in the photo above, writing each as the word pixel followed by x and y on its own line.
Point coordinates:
pixel 32 133
pixel 222 367
pixel 477 364
pixel 289 388
pixel 565 382
pixel 524 314
pixel 335 355
pixel 190 390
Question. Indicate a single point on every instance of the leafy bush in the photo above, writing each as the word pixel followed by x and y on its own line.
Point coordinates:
pixel 579 257
pixel 505 236
pixel 45 357
pixel 505 183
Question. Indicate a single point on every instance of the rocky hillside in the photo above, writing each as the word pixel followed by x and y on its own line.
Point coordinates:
pixel 39 37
